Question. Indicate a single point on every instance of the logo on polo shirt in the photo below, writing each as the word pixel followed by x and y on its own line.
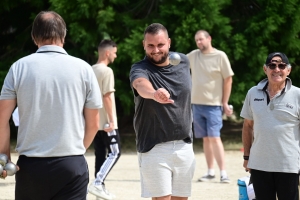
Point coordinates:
pixel 289 106
pixel 257 99
pixel 113 140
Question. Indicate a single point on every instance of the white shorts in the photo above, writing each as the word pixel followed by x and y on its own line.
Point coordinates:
pixel 167 169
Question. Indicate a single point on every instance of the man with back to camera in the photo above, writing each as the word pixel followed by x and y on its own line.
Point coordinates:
pixel 107 140
pixel 212 80
pixel 58 100
pixel 163 119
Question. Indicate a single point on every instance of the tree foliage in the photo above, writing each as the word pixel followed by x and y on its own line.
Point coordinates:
pixel 247 30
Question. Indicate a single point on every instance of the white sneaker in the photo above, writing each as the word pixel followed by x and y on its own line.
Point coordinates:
pixel 100 191
pixel 224 179
pixel 207 178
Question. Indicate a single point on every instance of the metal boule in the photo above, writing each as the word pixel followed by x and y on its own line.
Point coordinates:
pixel 230 107
pixel 106 125
pixel 3 159
pixel 174 58
pixel 10 169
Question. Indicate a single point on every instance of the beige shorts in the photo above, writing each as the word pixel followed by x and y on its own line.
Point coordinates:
pixel 167 169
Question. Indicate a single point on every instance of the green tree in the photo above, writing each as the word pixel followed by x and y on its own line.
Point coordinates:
pixel 259 28
pixel 246 30
pixel 15 22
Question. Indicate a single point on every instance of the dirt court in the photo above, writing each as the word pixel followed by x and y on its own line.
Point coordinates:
pixel 124 182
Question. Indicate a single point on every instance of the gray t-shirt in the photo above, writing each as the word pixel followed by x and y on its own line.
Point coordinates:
pixel 154 122
pixel 52 89
pixel 276 128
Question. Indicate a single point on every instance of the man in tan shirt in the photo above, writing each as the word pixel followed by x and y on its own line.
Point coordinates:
pixel 211 88
pixel 107 139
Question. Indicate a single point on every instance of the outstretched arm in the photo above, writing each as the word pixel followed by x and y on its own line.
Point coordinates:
pixel 146 90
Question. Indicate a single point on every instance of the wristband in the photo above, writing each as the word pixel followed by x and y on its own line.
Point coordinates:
pixel 246 157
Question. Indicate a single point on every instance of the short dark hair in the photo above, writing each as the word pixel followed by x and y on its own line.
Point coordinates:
pixel 106 43
pixel 155 28
pixel 48 25
pixel 206 34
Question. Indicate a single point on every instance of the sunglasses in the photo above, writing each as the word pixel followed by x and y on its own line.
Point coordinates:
pixel 274 65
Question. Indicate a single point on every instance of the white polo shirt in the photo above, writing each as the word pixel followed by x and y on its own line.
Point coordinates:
pixel 52 88
pixel 276 128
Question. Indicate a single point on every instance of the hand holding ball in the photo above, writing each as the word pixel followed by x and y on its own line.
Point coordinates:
pixel 10 169
pixel 174 58
pixel 3 159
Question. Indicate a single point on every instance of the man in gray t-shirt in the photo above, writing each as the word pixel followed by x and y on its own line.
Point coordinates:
pixel 58 98
pixel 163 119
pixel 271 132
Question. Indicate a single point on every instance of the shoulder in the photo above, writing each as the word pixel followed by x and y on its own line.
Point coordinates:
pixel 101 67
pixel 184 57
pixel 220 53
pixel 25 59
pixel 295 89
pixel 142 64
pixel 193 53
pixel 253 89
pixel 78 60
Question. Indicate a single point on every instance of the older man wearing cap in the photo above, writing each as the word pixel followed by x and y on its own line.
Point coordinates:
pixel 271 131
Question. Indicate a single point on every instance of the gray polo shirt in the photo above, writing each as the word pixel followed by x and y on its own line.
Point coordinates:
pixel 276 128
pixel 51 88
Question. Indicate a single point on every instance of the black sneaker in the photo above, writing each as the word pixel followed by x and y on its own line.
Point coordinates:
pixel 206 178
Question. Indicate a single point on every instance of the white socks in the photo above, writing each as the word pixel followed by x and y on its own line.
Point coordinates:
pixel 212 172
pixel 223 173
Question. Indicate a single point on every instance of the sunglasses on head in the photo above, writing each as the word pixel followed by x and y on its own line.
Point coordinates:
pixel 280 65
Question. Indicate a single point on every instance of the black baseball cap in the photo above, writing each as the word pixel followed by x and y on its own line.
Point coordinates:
pixel 281 55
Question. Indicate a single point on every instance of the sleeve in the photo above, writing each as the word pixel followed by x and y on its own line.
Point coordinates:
pixel 190 57
pixel 137 72
pixel 226 69
pixel 8 89
pixel 93 94
pixel 246 111
pixel 108 82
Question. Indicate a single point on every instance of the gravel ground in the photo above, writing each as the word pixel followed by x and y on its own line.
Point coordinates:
pixel 124 182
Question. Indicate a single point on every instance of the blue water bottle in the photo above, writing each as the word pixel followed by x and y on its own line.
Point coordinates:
pixel 242 190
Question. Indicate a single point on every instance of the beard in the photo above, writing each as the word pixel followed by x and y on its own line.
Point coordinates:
pixel 202 48
pixel 162 59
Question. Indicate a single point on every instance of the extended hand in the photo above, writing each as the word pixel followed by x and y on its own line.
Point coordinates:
pixel 161 95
